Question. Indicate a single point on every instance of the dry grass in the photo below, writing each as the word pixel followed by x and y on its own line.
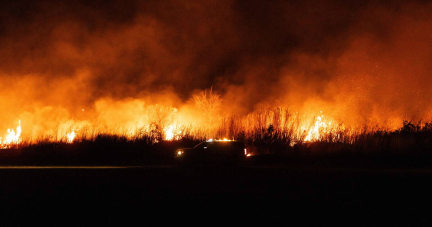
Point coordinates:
pixel 275 130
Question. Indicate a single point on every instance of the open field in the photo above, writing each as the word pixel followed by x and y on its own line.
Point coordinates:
pixel 248 194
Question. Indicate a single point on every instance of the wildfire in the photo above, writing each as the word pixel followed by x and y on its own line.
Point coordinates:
pixel 71 136
pixel 12 137
pixel 296 129
pixel 319 128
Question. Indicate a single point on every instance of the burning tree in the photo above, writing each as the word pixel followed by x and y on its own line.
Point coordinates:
pixel 209 101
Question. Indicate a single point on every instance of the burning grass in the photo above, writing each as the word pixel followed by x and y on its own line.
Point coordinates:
pixel 266 131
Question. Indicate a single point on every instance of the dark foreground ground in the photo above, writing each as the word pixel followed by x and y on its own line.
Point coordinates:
pixel 249 194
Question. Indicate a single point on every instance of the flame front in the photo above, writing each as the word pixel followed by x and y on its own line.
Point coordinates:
pixel 259 126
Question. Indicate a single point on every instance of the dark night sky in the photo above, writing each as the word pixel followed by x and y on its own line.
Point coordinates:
pixel 358 58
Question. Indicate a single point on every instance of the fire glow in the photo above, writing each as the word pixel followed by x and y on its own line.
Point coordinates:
pixel 71 136
pixel 319 129
pixel 12 138
pixel 172 132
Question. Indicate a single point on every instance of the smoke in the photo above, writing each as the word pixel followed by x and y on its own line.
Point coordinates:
pixel 357 62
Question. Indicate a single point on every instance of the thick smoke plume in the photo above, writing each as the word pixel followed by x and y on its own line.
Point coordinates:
pixel 105 63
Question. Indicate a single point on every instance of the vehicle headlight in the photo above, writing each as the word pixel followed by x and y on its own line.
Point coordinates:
pixel 179 153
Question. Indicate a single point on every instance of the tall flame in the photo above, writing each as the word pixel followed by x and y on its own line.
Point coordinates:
pixel 71 136
pixel 12 137
pixel 297 129
pixel 169 134
pixel 318 129
pixel 172 132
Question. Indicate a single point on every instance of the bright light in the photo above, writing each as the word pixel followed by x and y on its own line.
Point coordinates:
pixel 169 134
pixel 245 151
pixel 225 139
pixel 172 132
pixel 12 137
pixel 179 153
pixel 319 128
pixel 70 136
pixel 210 140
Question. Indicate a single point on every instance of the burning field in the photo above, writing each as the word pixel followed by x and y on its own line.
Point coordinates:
pixel 126 109
pixel 279 76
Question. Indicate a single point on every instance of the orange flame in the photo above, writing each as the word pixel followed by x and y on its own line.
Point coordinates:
pixel 169 134
pixel 12 137
pixel 319 129
pixel 172 132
